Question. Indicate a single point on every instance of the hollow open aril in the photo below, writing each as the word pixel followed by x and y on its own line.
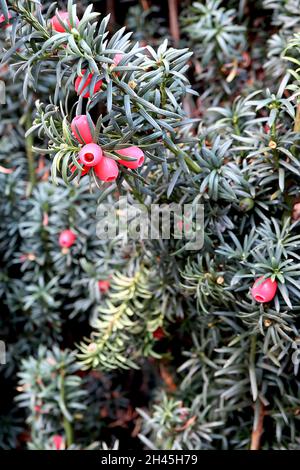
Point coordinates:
pixel 264 290
pixel 86 94
pixel 82 129
pixel 67 238
pixel 64 17
pixel 90 155
pixel 131 152
pixel 158 333
pixel 107 170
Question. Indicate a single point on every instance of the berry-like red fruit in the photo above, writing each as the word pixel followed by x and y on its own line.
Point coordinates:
pixel 158 333
pixel 58 442
pixel 64 17
pixel 103 286
pixel 83 172
pixel 131 152
pixel 117 59
pixel 90 155
pixel 3 20
pixel 83 92
pixel 107 170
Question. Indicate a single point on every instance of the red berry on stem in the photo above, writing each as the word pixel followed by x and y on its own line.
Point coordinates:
pixel 3 20
pixel 64 17
pixel 83 172
pixel 264 290
pixel 296 211
pixel 103 286
pixel 78 81
pixel 117 59
pixel 158 333
pixel 90 155
pixel 131 152
pixel 82 130
pixel 66 238
pixel 107 170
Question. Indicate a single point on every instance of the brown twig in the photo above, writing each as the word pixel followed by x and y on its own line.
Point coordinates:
pixel 173 19
pixel 259 429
